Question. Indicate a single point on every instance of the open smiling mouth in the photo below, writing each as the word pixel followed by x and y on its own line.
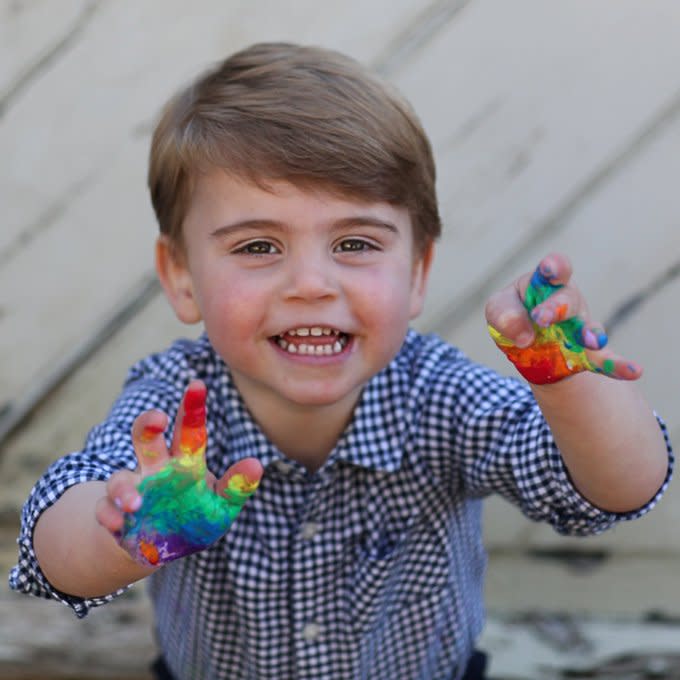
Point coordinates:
pixel 312 341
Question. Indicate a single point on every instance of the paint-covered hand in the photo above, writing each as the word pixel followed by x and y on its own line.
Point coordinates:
pixel 542 324
pixel 173 506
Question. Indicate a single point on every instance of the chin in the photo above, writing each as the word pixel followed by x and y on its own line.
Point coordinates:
pixel 322 398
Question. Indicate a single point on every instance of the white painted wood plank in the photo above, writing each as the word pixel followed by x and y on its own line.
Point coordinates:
pixel 527 103
pixel 32 37
pixel 78 227
pixel 29 31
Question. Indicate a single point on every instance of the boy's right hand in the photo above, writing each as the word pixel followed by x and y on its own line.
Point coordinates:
pixel 172 505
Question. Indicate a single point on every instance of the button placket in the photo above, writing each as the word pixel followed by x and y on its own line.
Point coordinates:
pixel 311 647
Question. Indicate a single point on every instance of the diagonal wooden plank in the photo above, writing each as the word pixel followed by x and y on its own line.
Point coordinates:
pixel 525 102
pixel 32 35
pixel 415 37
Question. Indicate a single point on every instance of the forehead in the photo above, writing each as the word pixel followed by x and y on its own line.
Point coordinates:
pixel 218 196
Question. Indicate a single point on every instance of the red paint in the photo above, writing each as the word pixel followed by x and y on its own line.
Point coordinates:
pixel 151 432
pixel 194 406
pixel 542 365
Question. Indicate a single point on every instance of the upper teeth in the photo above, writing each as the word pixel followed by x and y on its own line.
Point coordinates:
pixel 314 330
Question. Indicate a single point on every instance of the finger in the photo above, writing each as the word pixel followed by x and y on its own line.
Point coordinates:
pixel 149 442
pixel 121 489
pixel 109 515
pixel 555 268
pixel 189 438
pixel 552 273
pixel 507 315
pixel 561 305
pixel 240 481
pixel 567 309
pixel 592 337
pixel 614 366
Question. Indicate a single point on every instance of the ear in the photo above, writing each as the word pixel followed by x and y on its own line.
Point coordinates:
pixel 176 280
pixel 419 279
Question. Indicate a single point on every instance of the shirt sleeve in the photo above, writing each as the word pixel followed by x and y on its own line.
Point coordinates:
pixel 507 448
pixel 108 448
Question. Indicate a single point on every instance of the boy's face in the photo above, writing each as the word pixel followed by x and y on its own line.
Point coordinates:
pixel 303 294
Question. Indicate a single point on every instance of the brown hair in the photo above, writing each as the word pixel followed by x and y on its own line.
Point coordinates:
pixel 307 115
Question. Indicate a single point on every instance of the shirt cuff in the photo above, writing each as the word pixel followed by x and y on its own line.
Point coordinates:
pixel 578 516
pixel 27 576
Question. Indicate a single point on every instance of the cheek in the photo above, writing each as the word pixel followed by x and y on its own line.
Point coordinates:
pixel 386 296
pixel 230 307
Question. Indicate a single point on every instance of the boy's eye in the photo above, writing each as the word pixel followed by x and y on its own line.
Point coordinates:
pixel 258 248
pixel 354 245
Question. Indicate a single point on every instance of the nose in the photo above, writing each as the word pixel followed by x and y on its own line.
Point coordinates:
pixel 310 276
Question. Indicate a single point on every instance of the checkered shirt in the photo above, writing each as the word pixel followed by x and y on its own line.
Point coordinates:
pixel 370 568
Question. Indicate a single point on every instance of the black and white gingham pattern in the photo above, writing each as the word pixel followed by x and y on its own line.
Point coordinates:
pixel 370 568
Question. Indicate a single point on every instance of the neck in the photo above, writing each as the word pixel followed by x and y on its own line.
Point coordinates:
pixel 306 434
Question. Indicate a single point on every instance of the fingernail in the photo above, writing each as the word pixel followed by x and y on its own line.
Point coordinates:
pixel 546 270
pixel 132 502
pixel 633 369
pixel 543 316
pixel 523 340
pixel 594 338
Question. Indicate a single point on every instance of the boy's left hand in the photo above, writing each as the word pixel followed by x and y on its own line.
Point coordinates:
pixel 542 324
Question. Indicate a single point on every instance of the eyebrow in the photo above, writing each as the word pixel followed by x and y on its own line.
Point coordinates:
pixel 344 223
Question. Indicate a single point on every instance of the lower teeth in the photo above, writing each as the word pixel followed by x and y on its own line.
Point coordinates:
pixel 314 350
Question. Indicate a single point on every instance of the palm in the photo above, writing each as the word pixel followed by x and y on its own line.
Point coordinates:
pixel 181 513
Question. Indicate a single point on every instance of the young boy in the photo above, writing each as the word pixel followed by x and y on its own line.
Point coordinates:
pixel 296 200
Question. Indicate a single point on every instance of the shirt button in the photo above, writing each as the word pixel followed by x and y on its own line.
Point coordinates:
pixel 309 530
pixel 311 632
pixel 283 468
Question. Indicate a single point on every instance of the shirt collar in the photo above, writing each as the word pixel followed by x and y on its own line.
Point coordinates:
pixel 376 435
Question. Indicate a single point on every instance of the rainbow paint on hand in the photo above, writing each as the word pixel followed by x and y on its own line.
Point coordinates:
pixel 558 350
pixel 180 514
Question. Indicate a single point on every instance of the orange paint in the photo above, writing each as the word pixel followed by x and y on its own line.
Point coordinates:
pixel 149 551
pixel 540 364
pixel 561 312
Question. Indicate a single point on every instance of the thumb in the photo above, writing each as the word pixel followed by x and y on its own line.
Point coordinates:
pixel 240 481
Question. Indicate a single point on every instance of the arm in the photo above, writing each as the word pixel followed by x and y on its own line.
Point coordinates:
pixel 76 553
pixel 608 437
